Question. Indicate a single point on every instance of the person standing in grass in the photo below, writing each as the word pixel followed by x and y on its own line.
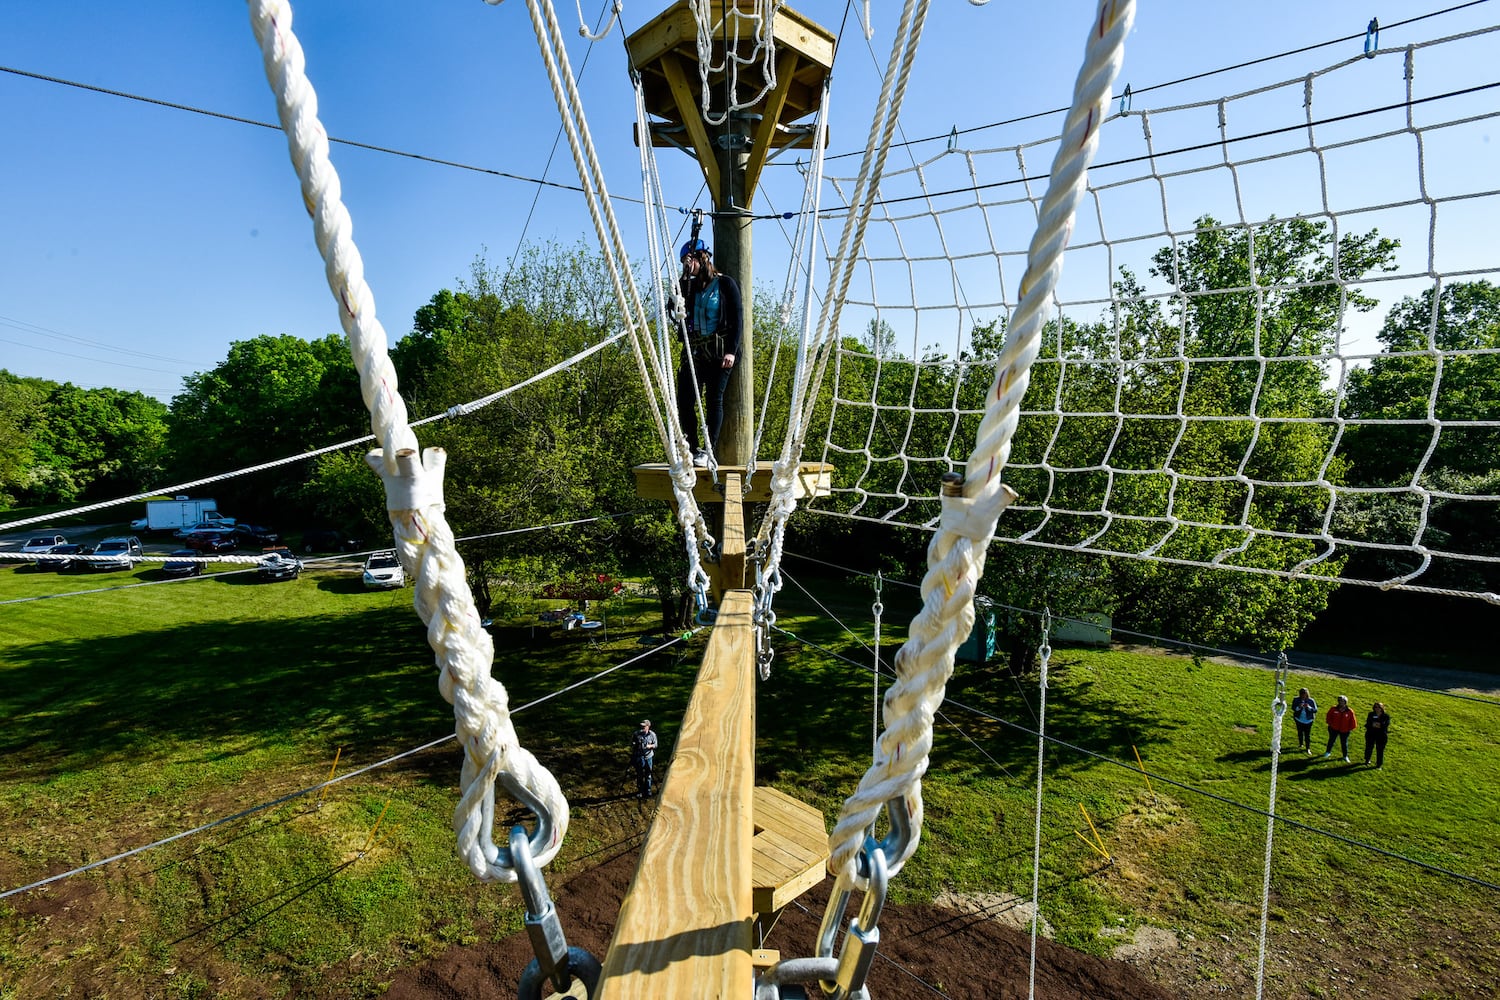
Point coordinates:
pixel 1341 723
pixel 1304 713
pixel 1377 728
pixel 642 756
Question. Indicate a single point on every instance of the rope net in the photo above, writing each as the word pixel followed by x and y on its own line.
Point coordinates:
pixel 1273 348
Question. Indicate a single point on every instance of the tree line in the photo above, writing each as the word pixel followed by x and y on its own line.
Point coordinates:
pixel 1237 339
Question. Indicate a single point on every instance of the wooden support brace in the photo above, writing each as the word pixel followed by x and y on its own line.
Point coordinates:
pixel 687 106
pixel 685 927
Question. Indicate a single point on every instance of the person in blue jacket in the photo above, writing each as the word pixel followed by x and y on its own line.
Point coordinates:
pixel 711 333
pixel 1304 713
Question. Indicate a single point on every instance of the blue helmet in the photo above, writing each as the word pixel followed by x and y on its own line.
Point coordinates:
pixel 692 246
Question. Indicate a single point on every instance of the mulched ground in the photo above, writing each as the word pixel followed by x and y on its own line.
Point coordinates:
pixel 924 952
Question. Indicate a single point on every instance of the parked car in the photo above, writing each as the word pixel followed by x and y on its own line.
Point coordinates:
pixel 329 540
pixel 218 527
pixel 183 562
pixel 279 564
pixel 211 541
pixel 123 550
pixel 66 565
pixel 42 543
pixel 383 569
pixel 256 534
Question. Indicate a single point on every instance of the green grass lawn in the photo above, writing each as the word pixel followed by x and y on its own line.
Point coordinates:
pixel 133 714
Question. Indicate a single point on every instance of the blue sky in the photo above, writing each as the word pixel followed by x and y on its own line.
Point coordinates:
pixel 138 241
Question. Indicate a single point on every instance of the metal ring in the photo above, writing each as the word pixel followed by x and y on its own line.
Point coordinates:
pixel 581 964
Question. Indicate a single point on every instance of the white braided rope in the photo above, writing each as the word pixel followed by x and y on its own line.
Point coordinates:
pixel 955 558
pixel 1045 657
pixel 763 50
pixel 654 373
pixel 1278 711
pixel 809 376
pixel 414 494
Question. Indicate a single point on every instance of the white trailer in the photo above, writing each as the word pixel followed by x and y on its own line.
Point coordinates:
pixel 181 513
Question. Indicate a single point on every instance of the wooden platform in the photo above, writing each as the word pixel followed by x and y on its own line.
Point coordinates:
pixel 685 927
pixel 789 854
pixel 654 482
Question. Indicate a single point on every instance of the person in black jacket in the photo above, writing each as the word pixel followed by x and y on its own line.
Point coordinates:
pixel 1377 730
pixel 711 333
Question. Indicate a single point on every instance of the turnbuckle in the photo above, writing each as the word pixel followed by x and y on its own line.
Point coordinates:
pixel 554 959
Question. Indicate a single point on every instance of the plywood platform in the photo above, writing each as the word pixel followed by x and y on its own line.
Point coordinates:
pixel 789 854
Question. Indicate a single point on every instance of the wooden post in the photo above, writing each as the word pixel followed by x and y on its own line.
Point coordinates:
pixel 685 928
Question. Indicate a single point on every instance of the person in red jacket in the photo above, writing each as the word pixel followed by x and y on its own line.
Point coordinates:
pixel 1341 723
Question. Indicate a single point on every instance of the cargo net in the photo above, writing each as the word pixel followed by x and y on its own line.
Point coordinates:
pixel 1275 345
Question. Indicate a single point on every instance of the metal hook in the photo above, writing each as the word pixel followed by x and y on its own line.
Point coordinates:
pixel 1125 101
pixel 1372 37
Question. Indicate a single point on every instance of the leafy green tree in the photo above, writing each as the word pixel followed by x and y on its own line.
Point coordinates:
pixel 270 397
pixel 556 451
pixel 1440 372
pixel 60 443
pixel 1406 383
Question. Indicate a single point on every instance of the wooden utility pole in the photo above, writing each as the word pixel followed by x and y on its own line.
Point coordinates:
pixel 665 52
pixel 732 154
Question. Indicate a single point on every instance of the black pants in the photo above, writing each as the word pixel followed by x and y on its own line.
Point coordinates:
pixel 1304 735
pixel 1376 742
pixel 712 379
pixel 643 763
pixel 1343 740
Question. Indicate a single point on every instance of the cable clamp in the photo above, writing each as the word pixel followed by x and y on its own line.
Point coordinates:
pixel 1372 37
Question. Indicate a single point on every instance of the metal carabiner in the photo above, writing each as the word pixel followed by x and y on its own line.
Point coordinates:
pixel 863 936
pixel 554 959
pixel 705 615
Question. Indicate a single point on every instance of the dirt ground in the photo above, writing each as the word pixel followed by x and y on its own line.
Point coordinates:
pixel 924 951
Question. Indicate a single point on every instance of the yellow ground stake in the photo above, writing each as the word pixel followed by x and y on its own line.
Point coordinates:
pixel 332 769
pixel 1143 772
pixel 371 842
pixel 1098 844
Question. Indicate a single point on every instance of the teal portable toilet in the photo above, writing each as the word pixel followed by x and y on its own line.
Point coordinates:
pixel 979 647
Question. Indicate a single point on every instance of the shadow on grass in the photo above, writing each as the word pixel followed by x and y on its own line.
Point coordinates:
pixel 363 677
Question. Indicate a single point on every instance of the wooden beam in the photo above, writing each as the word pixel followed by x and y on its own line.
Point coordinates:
pixel 760 145
pixel 684 97
pixel 653 481
pixel 684 929
pixel 732 537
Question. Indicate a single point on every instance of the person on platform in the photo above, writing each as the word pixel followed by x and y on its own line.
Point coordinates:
pixel 711 334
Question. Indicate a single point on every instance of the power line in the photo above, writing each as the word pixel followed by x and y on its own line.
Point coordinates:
pixel 82 357
pixel 1172 83
pixel 1197 147
pixel 439 161
pixel 243 813
pixel 24 327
